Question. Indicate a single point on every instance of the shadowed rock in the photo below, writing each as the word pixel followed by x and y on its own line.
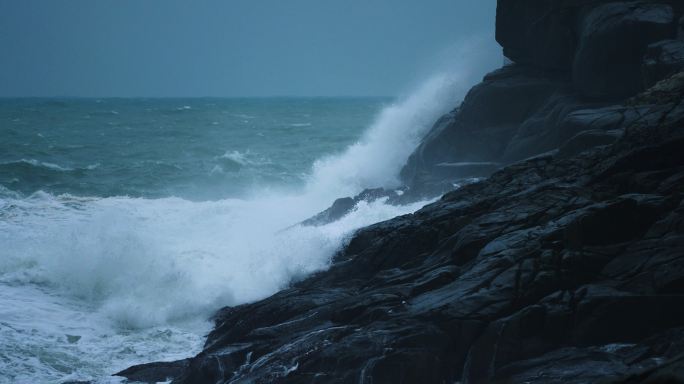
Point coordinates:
pixel 662 60
pixel 155 372
pixel 553 270
pixel 566 265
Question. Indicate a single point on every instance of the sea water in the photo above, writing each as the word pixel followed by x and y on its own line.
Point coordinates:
pixel 125 223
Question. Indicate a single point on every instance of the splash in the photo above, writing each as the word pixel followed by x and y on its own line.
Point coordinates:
pixel 144 262
pixel 135 272
pixel 376 159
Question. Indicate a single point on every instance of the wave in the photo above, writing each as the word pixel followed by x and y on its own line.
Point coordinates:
pixel 33 165
pixel 148 262
pixel 232 161
pixel 241 158
pixel 24 163
pixel 144 262
pixel 376 159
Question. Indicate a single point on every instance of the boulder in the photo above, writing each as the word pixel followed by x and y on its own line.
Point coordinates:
pixel 337 210
pixel 155 372
pixel 612 40
pixel 344 205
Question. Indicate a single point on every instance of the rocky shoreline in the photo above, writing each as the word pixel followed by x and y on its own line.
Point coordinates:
pixel 564 265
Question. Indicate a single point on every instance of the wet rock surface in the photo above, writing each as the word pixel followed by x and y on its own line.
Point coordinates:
pixel 344 205
pixel 554 270
pixel 565 265
pixel 663 59
pixel 570 60
pixel 613 38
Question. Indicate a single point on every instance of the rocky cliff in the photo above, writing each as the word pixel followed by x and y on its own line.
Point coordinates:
pixel 575 61
pixel 565 265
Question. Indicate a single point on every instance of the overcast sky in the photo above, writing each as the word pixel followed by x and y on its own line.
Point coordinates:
pixel 231 47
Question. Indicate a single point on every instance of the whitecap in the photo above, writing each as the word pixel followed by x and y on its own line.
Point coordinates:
pixel 39 164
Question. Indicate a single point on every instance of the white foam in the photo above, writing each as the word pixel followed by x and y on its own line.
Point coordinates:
pixel 243 158
pixel 148 262
pixel 52 339
pixel 41 164
pixel 377 158
pixel 142 264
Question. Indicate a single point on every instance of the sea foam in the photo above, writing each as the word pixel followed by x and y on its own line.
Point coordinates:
pixel 145 262
pixel 111 282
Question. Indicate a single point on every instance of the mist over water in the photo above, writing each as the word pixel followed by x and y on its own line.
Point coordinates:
pixel 112 274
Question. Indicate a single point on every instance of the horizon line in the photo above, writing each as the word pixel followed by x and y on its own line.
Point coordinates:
pixel 209 97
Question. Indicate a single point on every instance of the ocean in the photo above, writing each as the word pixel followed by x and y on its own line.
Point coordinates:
pixel 125 223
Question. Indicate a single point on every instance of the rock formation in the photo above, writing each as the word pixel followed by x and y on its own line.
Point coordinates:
pixel 565 265
pixel 572 59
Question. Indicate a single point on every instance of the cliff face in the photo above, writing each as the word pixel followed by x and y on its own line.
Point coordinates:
pixel 575 61
pixel 567 267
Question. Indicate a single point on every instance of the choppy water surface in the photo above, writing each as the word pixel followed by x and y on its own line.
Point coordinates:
pixel 124 223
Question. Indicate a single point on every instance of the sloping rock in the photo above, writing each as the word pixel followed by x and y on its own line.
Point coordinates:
pixel 589 139
pixel 344 205
pixel 155 372
pixel 570 56
pixel 478 131
pixel 553 270
pixel 563 267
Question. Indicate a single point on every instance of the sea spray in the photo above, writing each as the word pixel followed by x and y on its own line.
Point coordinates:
pixel 129 268
pixel 150 261
pixel 376 159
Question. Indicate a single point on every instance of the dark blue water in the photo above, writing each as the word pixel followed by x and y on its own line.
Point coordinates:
pixel 191 148
pixel 125 223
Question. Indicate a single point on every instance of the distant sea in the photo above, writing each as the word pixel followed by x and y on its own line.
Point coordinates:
pixel 125 223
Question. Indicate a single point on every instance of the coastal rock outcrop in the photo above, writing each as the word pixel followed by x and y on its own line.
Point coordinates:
pixel 613 38
pixel 570 59
pixel 565 265
pixel 555 269
pixel 470 141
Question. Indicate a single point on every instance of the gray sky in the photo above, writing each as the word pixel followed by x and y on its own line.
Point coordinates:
pixel 231 47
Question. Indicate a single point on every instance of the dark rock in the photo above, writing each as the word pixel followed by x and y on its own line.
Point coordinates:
pixel 343 206
pixel 663 59
pixel 537 32
pixel 613 38
pixel 155 372
pixel 557 269
pixel 572 56
pixel 672 372
pixel 586 140
pixel 566 265
pixel 338 209
pixel 455 171
pixel 479 130
pixel 563 116
pixel 662 91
